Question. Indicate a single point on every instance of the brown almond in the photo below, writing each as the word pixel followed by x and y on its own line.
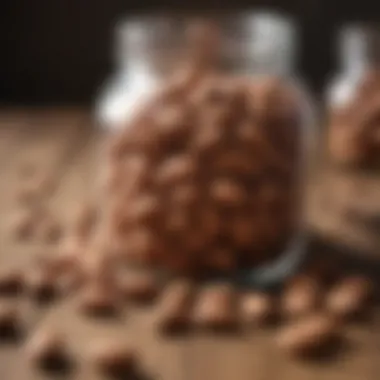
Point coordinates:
pixel 42 285
pixel 175 307
pixel 308 336
pixel 138 286
pixel 215 308
pixel 349 297
pixel 242 230
pixel 185 195
pixel 175 170
pixel 227 192
pixel 257 308
pixel 47 350
pixel 301 296
pixel 208 139
pixel 10 324
pixel 144 210
pixel 142 247
pixel 113 357
pixel 171 123
pixel 11 282
pixel 234 162
pixel 221 259
pixel 96 299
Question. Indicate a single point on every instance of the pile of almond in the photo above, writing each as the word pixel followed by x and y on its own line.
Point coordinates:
pixel 206 176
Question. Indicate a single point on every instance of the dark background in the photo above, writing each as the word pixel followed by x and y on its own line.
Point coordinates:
pixel 58 51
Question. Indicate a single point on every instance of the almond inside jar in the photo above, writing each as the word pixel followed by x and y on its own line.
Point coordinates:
pixel 222 173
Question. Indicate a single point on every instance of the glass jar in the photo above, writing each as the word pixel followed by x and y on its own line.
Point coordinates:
pixel 352 97
pixel 259 45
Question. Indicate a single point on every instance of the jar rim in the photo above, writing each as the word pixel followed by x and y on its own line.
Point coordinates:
pixel 239 18
pixel 263 38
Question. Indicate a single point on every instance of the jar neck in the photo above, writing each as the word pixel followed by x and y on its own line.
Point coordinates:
pixel 355 66
pixel 137 69
pixel 261 43
pixel 272 46
pixel 140 67
pixel 134 50
pixel 354 59
pixel 359 46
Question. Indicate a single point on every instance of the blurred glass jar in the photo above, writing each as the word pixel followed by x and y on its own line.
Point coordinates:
pixel 353 97
pixel 260 44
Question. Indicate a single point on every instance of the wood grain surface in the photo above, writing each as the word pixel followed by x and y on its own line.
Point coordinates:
pixel 65 145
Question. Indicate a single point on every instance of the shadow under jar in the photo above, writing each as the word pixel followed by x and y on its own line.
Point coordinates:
pixel 209 147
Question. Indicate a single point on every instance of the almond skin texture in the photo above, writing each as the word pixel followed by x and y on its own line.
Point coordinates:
pixel 301 296
pixel 349 297
pixel 257 309
pixel 308 336
pixel 138 286
pixel 12 282
pixel 10 325
pixel 114 358
pixel 42 285
pixel 47 350
pixel 175 307
pixel 97 300
pixel 215 308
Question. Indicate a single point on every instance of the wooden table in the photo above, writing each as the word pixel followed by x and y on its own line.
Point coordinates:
pixel 65 142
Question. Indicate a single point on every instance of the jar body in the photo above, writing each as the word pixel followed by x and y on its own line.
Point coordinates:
pixel 239 213
pixel 352 99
